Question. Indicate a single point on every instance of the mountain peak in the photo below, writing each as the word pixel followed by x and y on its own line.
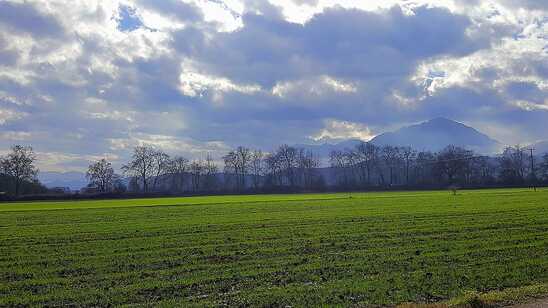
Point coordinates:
pixel 432 135
pixel 444 122
pixel 440 120
pixel 437 133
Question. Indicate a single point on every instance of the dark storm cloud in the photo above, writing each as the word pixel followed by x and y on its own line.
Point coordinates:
pixel 339 42
pixel 154 81
pixel 377 50
pixel 26 18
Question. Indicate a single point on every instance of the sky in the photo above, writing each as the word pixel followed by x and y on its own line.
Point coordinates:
pixel 82 80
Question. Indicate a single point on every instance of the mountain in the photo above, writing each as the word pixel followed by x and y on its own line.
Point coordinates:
pixel 323 150
pixel 72 180
pixel 432 135
pixel 435 134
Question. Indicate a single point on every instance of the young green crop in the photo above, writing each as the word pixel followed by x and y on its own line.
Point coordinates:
pixel 298 250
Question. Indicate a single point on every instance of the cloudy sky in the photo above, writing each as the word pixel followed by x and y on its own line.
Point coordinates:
pixel 81 80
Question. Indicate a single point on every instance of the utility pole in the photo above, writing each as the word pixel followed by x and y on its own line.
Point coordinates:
pixel 533 174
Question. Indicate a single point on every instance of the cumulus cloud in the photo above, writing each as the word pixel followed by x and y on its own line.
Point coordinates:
pixel 343 130
pixel 26 18
pixel 314 88
pixel 7 115
pixel 527 4
pixel 338 42
pixel 84 79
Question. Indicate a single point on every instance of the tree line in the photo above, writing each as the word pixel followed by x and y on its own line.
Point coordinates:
pixel 370 165
pixel 293 169
pixel 244 169
pixel 290 169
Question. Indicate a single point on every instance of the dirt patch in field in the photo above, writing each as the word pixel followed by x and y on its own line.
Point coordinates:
pixel 540 303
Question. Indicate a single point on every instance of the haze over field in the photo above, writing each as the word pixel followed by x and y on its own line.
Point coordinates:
pixel 84 80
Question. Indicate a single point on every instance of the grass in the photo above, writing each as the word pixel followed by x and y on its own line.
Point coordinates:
pixel 497 297
pixel 117 203
pixel 298 250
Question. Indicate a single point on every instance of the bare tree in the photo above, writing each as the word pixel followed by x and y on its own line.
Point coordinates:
pixel 408 154
pixel 288 157
pixel 257 167
pixel 513 164
pixel 101 175
pixel 161 166
pixel 339 162
pixel 368 155
pixel 19 165
pixel 210 170
pixel 308 163
pixel 452 161
pixel 178 166
pixel 391 155
pixel 230 170
pixel 480 170
pixel 243 159
pixel 424 164
pixel 353 163
pixel 196 171
pixel 273 169
pixel 237 163
pixel 142 165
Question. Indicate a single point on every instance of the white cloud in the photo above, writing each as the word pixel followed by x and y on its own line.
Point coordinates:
pixel 226 13
pixel 15 136
pixel 303 11
pixel 194 84
pixel 313 87
pixel 63 161
pixel 7 115
pixel 335 129
pixel 170 144
pixel 529 106
pixel 511 60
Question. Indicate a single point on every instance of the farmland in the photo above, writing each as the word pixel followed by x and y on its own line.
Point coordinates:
pixel 298 250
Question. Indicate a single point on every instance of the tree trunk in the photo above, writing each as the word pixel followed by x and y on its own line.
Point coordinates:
pixel 17 186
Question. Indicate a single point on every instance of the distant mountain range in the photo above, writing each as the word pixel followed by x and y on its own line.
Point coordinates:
pixel 72 180
pixel 323 150
pixel 432 135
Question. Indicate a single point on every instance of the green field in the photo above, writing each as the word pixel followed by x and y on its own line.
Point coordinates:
pixel 297 250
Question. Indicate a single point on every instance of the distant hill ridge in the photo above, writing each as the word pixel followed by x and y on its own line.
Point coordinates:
pixel 72 180
pixel 435 134
pixel 432 135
